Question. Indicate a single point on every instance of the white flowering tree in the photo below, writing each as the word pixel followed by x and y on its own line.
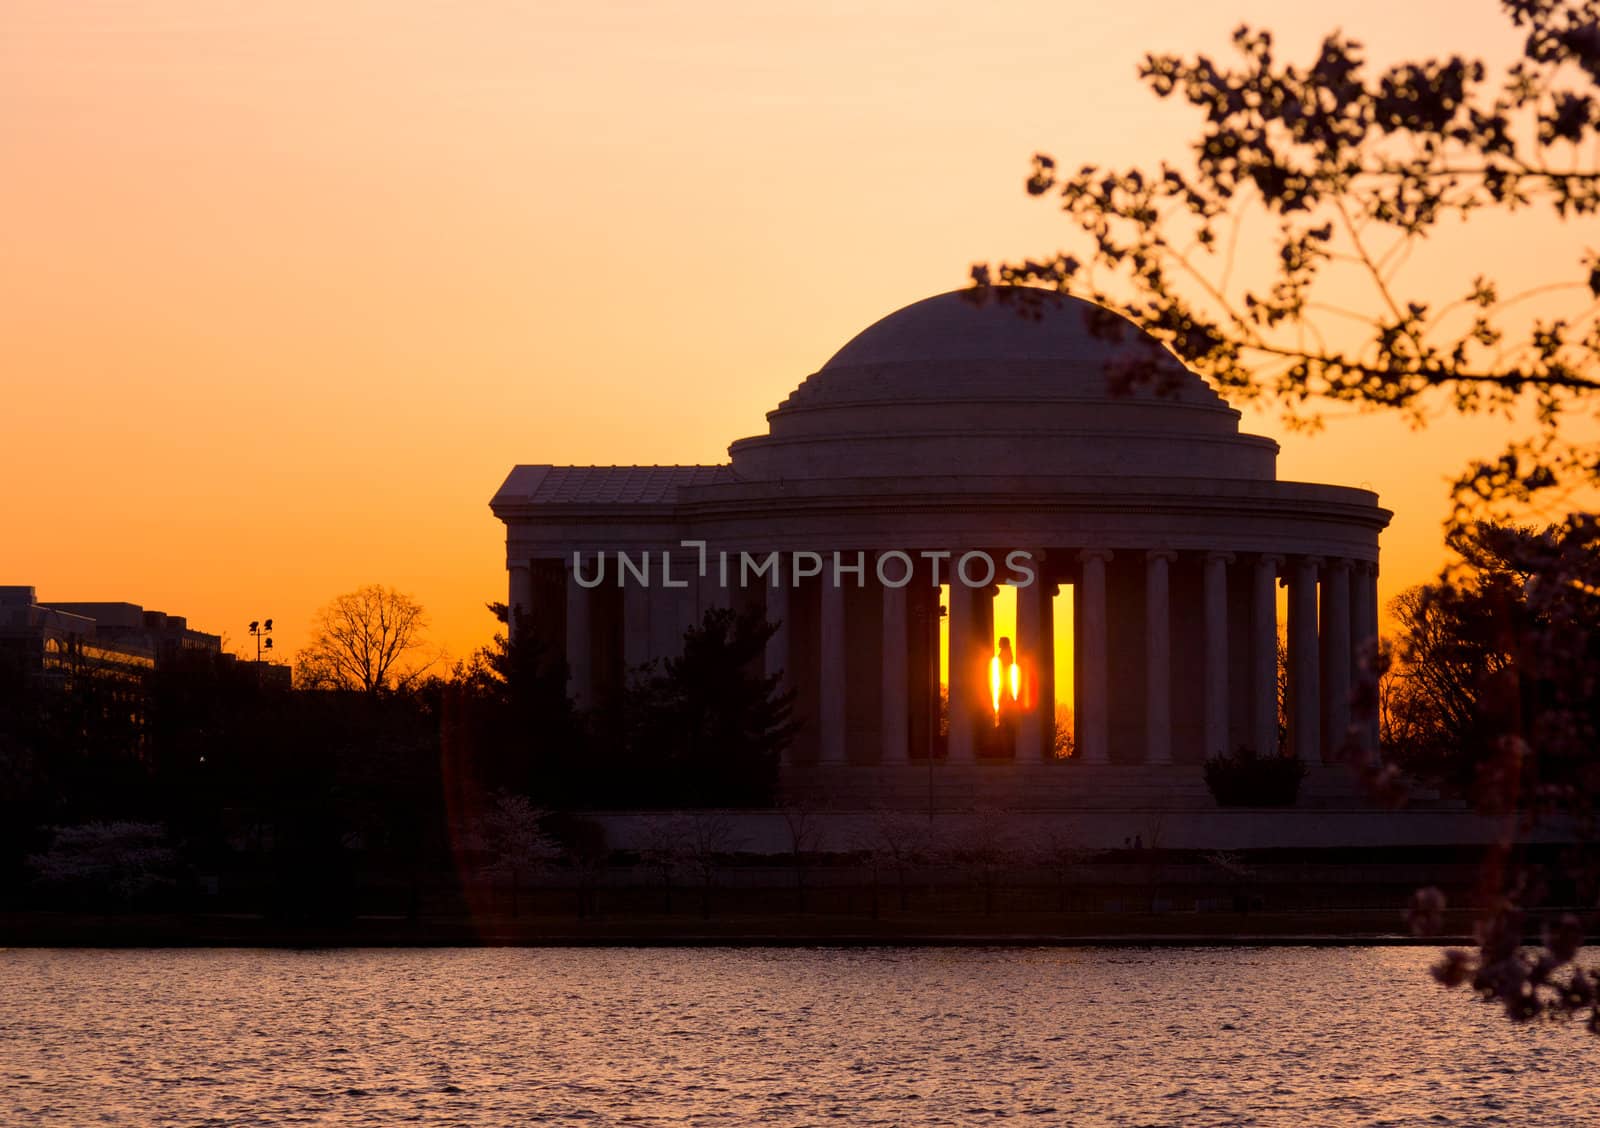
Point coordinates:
pixel 513 842
pixel 113 862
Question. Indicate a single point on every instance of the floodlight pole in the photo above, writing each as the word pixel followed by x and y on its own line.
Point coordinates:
pixel 261 629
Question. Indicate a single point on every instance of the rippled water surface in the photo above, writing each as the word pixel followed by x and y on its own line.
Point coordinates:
pixel 909 1037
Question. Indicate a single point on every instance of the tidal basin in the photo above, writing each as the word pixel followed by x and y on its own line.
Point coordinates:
pixel 957 1036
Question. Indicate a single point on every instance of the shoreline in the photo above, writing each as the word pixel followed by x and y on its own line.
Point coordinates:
pixel 775 942
pixel 48 930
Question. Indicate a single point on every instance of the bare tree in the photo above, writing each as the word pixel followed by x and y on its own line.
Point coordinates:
pixel 986 845
pixel 897 840
pixel 704 839
pixel 805 839
pixel 1058 850
pixel 365 640
pixel 587 854
pixel 662 852
pixel 1063 739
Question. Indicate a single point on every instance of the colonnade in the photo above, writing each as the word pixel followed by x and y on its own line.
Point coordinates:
pixel 1175 653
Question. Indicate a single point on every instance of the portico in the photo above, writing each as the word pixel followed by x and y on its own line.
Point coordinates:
pixel 946 450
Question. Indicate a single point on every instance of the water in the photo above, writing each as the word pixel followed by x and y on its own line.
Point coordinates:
pixel 1324 1037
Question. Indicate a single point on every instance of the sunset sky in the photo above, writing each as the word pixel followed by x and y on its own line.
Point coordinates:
pixel 287 288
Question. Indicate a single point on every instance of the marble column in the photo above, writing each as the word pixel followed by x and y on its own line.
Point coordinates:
pixel 519 599
pixel 896 718
pixel 1264 655
pixel 713 587
pixel 1364 640
pixel 1334 631
pixel 1036 654
pixel 1158 657
pixel 635 624
pixel 1305 720
pixel 777 613
pixel 1090 655
pixel 672 603
pixel 833 681
pixel 1216 653
pixel 580 638
pixel 1369 605
pixel 776 661
pixel 963 658
pixel 1358 617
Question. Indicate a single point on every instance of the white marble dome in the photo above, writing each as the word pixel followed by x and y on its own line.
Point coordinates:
pixel 949 385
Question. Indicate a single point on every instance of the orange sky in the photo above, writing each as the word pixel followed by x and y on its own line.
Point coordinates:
pixel 287 288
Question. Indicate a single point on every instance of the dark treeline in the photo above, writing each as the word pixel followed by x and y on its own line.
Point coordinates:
pixel 705 729
pixel 118 790
pixel 111 787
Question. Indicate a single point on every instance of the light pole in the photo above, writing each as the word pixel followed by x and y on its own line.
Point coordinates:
pixel 261 630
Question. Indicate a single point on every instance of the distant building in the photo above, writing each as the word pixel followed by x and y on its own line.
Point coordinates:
pixel 51 641
pixel 271 675
pixel 166 637
pixel 53 646
pixel 54 642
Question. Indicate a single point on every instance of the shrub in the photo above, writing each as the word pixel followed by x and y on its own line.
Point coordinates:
pixel 1244 779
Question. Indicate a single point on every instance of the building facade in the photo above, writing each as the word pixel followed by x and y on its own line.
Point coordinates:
pixel 950 448
pixel 54 641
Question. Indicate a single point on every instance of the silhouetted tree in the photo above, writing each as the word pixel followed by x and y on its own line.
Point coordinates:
pixel 364 640
pixel 1499 657
pixel 708 727
pixel 1352 172
pixel 524 733
pixel 1447 656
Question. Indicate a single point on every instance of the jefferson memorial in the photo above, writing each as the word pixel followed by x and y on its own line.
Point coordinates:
pixel 953 447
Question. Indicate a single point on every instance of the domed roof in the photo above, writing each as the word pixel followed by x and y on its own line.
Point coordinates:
pixel 951 378
pixel 957 342
pixel 962 326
